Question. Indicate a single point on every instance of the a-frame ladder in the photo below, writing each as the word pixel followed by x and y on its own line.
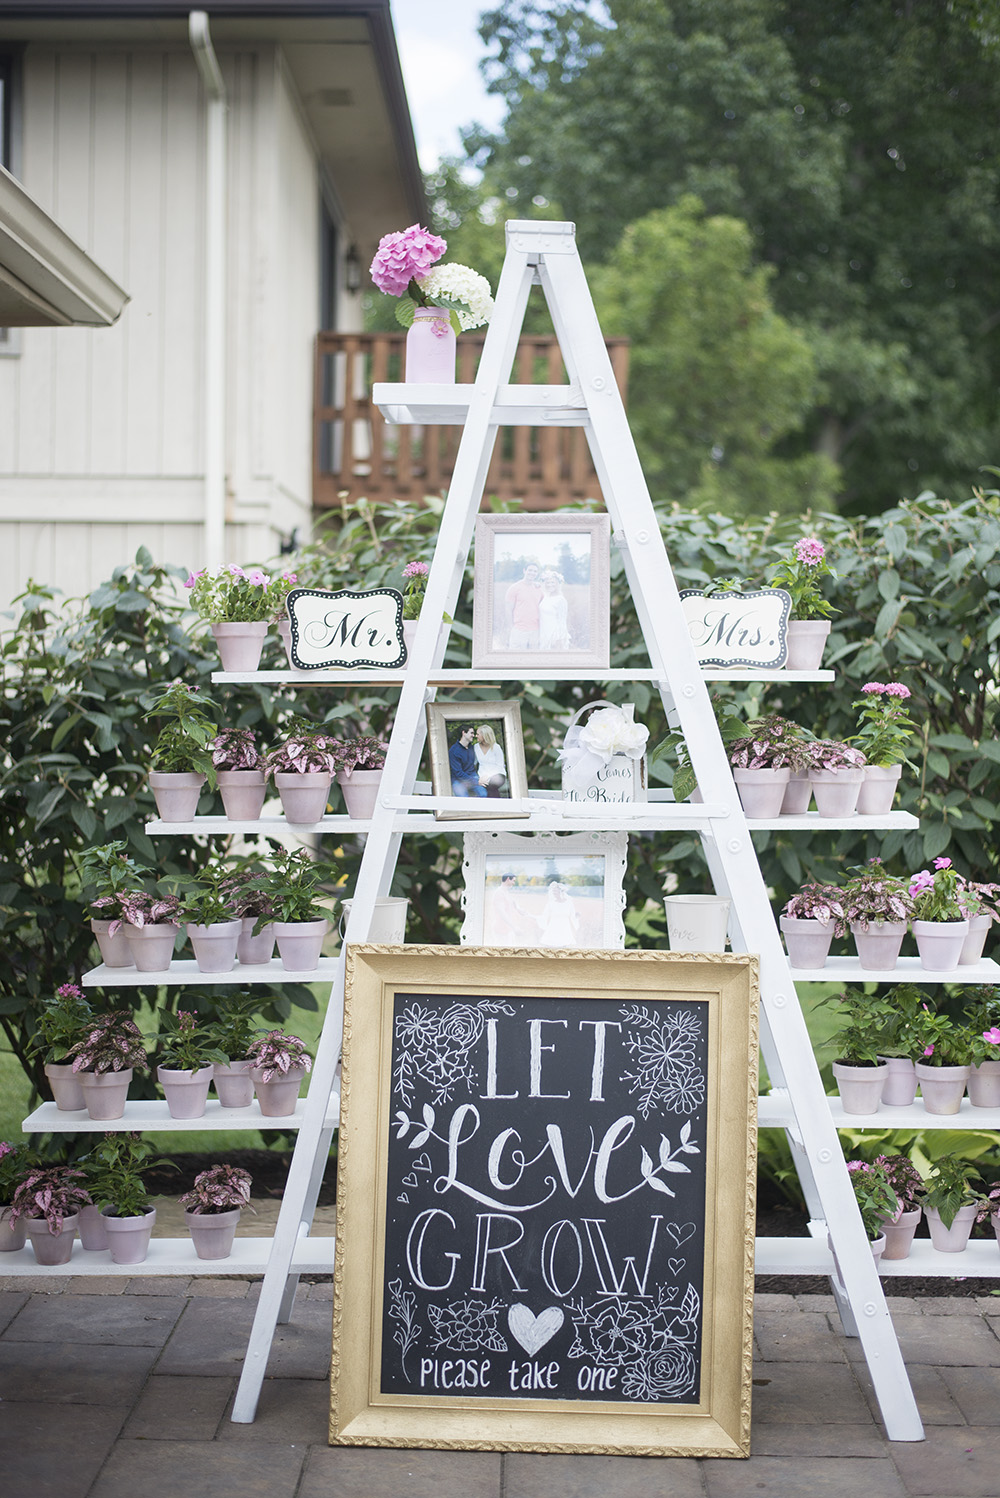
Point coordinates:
pixel 545 254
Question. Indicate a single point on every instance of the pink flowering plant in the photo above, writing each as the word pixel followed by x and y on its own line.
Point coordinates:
pixel 236 749
pixel 874 1195
pixel 772 743
pixel 62 1022
pixel 816 902
pixel 905 1180
pixel 220 1188
pixel 53 1192
pixel 936 896
pixel 939 1040
pixel 238 595
pixel 984 1045
pixel 405 266
pixel 113 1043
pixel 884 725
pixel 799 574
pixel 874 896
pixel 276 1054
pixel 415 576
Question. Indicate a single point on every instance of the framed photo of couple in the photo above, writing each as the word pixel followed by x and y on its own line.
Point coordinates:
pixel 541 591
pixel 544 889
pixel 476 753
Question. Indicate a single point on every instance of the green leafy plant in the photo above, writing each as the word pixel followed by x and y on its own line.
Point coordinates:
pixel 62 1023
pixel 184 742
pixel 109 872
pixel 874 1195
pixel 233 1030
pixel 908 1004
pixel 114 1174
pixel 939 1040
pixel 206 900
pixel 292 887
pixel 184 1045
pixel 867 1021
pixel 884 726
pixel 949 1187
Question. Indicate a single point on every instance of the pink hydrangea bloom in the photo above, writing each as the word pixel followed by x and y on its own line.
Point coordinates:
pixel 402 257
pixel 810 551
pixel 416 569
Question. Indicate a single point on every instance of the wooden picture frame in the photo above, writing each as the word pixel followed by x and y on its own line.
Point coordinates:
pixel 561 617
pixel 551 889
pixel 545 1235
pixel 477 799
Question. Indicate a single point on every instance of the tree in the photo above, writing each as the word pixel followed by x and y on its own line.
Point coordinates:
pixel 860 145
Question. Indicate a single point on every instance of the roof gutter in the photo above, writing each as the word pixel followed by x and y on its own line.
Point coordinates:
pixel 216 198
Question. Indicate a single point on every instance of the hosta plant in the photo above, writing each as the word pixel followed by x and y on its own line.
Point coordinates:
pixel 220 1188
pixel 276 1054
pixel 113 1043
pixel 816 902
pixel 872 896
pixel 874 1195
pixel 52 1192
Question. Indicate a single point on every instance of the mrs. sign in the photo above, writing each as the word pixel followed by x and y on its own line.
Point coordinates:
pixel 738 629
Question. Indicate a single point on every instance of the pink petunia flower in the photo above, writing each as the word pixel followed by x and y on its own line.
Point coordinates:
pixel 992 1036
pixel 928 1050
pixel 810 551
pixel 193 577
pixel 235 571
pixel 400 258
pixel 257 578
pixel 942 863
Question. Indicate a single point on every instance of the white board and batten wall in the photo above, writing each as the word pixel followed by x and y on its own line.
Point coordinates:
pixel 102 437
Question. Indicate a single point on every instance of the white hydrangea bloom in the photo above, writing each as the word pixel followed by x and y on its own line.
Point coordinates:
pixel 459 287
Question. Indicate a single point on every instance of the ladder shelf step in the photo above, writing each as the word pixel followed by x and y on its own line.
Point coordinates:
pixel 981 1260
pixel 151 1116
pixel 176 1256
pixel 907 970
pixel 465 675
pixel 774 1111
pixel 185 971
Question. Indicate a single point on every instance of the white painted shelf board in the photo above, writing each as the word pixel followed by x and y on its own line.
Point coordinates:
pixel 151 1116
pixel 448 405
pixel 176 1256
pixel 907 970
pixel 184 970
pixel 981 1260
pixel 811 821
pixel 774 1112
pixel 464 675
pixel 264 826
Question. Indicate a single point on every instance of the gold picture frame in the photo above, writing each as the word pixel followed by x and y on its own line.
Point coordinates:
pixel 449 1051
pixel 475 801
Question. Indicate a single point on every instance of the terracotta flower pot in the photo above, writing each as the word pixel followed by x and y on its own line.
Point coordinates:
pixel 152 947
pixel 304 797
pixel 836 791
pixel 240 644
pixel 940 944
pixel 93 1234
pixel 51 1248
pixel 300 944
pixel 128 1237
pixel 942 1087
pixel 761 792
pixel 954 1239
pixel 878 790
pixel 798 794
pixel 878 946
pixel 176 795
pixel 899 1234
pixel 67 1089
pixel 13 1235
pixel 278 1097
pixel 808 942
pixel 104 1093
pixel 901 1082
pixel 186 1092
pixel 860 1087
pixel 233 1083
pixel 805 641
pixel 114 949
pixel 975 941
pixel 360 791
pixel 254 951
pixel 984 1085
pixel 212 1233
pixel 215 945
pixel 243 793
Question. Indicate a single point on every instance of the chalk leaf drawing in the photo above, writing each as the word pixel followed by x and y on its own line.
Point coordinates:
pixel 534 1331
pixel 436 1047
pixel 654 1343
pixel 467 1325
pixel 666 1072
pixel 403 1308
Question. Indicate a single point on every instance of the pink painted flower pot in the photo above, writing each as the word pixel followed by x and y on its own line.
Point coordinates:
pixel 215 946
pixel 152 947
pixel 67 1089
pixel 243 793
pixel 278 1097
pixel 304 797
pixel 213 1233
pixel 878 789
pixel 900 1083
pixel 808 942
pixel 940 944
pixel 836 791
pixel 254 951
pixel 128 1237
pixel 51 1248
pixel 761 792
pixel 93 1234
pixel 798 794
pixel 878 947
pixel 984 1085
pixel 860 1087
pixel 975 941
pixel 13 1235
pixel 233 1083
pixel 430 348
pixel 899 1234
pixel 105 1093
pixel 942 1087
pixel 805 641
pixel 954 1239
pixel 240 644
pixel 186 1092
pixel 114 949
pixel 176 795
pixel 360 791
pixel 300 944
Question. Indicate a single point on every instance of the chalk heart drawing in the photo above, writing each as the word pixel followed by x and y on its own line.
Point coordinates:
pixel 680 1232
pixel 675 1266
pixel 533 1331
pixel 422 1162
pixel 410 1180
pixel 402 1197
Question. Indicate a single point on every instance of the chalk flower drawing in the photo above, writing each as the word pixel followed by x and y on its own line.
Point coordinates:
pixel 664 1052
pixel 654 1343
pixel 403 1308
pixel 467 1325
pixel 437 1047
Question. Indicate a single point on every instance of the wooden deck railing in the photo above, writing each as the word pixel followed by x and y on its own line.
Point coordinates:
pixel 356 454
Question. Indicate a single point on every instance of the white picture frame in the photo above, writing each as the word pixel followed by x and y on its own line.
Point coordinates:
pixel 541 592
pixel 585 910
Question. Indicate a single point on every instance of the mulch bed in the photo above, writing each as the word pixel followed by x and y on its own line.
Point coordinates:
pixel 776 1218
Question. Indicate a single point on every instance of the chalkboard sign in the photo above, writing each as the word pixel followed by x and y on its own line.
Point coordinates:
pixel 553 1167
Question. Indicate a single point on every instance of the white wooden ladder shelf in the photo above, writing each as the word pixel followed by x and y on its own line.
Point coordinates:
pixel 545 254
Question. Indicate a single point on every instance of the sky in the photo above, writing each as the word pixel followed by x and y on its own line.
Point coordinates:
pixel 439 49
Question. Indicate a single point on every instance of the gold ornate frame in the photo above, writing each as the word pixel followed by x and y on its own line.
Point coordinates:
pixel 718 1424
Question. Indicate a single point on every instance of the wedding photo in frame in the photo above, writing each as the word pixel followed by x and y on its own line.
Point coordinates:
pixel 545 1201
pixel 545 889
pixel 541 591
pixel 476 752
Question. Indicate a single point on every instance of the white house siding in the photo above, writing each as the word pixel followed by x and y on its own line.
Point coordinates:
pixel 101 432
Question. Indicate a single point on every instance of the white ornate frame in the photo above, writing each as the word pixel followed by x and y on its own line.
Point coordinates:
pixel 488 527
pixel 478 846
